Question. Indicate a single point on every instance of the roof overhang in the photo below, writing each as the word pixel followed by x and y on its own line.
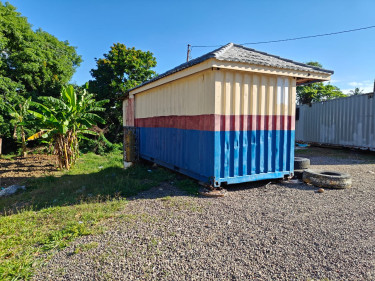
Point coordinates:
pixel 303 77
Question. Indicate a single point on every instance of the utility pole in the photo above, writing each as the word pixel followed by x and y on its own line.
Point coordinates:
pixel 188 52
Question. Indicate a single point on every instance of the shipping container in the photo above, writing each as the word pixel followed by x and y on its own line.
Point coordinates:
pixel 346 122
pixel 226 117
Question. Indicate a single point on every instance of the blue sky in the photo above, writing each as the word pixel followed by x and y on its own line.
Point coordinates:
pixel 166 27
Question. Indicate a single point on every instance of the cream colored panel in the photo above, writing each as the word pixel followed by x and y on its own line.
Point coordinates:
pixel 228 97
pixel 247 93
pixel 262 96
pixel 254 110
pixel 237 99
pixel 292 96
pixel 270 95
pixel 219 91
pixel 192 95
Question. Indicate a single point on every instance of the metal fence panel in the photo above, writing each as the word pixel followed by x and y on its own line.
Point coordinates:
pixel 347 122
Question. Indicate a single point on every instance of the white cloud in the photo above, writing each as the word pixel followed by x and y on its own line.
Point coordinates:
pixel 367 86
pixel 365 90
pixel 355 84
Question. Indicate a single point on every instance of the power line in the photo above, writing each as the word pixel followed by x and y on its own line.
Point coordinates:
pixel 296 38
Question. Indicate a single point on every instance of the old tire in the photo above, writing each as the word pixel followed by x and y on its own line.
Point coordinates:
pixel 298 174
pixel 327 179
pixel 301 163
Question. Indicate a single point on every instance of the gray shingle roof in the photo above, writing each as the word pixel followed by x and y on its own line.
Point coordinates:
pixel 239 53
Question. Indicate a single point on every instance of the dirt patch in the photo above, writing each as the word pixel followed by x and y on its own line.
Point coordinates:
pixel 19 169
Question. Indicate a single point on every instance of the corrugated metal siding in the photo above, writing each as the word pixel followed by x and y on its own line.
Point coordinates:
pixel 192 95
pixel 348 122
pixel 255 133
pixel 176 124
pixel 219 125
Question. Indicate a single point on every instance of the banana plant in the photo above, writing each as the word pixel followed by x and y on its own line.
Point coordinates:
pixel 65 120
pixel 19 113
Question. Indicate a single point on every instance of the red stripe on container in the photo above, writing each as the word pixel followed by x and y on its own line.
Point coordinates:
pixel 211 122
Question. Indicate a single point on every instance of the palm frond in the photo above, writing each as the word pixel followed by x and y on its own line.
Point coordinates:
pixel 38 134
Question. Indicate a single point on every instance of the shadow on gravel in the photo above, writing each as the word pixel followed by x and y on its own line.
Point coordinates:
pixel 336 156
pixel 249 185
pixel 138 182
pixel 299 186
pixel 163 190
pixel 263 185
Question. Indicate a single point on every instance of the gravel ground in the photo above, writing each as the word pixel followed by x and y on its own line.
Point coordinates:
pixel 260 231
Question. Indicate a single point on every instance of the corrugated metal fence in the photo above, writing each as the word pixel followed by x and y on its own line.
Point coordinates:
pixel 347 122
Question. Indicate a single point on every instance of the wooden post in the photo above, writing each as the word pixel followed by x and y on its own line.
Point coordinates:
pixel 1 142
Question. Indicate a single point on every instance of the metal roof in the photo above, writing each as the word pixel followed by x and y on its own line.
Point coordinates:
pixel 239 53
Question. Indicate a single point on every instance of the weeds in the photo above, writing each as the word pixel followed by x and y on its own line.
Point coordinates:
pixel 188 185
pixel 85 247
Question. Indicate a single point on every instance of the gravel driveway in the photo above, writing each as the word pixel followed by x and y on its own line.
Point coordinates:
pixel 260 231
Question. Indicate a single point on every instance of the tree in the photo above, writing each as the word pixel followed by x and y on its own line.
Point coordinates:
pixel 317 92
pixel 356 91
pixel 8 94
pixel 32 61
pixel 65 120
pixel 121 68
pixel 19 113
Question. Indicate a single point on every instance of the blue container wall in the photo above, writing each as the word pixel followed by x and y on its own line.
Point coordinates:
pixel 190 152
pixel 242 156
pixel 217 157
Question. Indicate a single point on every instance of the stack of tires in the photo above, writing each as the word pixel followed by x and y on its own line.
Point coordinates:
pixel 300 165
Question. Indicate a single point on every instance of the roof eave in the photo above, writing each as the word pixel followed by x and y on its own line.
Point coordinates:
pixel 209 62
pixel 311 75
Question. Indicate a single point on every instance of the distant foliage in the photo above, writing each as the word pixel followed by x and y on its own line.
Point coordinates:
pixel 121 69
pixel 99 145
pixel 356 91
pixel 32 64
pixel 317 92
pixel 32 61
pixel 19 119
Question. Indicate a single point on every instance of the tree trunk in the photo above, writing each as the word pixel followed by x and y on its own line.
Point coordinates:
pixel 66 156
pixel 23 142
pixel 66 149
pixel 15 132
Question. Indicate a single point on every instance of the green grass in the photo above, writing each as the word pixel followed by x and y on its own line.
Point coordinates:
pixel 188 185
pixel 8 156
pixel 85 247
pixel 55 210
pixel 94 178
pixel 30 237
